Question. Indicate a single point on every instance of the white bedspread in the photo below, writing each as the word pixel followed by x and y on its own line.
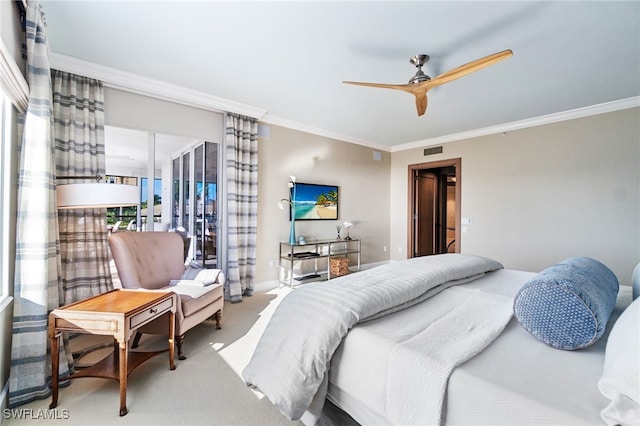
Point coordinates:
pixel 514 380
pixel 292 358
pixel 420 366
pixel 520 380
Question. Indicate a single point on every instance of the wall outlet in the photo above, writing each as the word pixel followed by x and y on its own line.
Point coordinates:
pixel 384 249
pixel 271 264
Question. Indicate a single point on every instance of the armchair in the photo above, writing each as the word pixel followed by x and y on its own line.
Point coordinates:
pixel 151 260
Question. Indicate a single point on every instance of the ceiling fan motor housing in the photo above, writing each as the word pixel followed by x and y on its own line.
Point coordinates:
pixel 419 78
pixel 419 61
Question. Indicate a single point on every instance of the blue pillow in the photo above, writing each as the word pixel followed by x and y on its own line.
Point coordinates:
pixel 635 282
pixel 567 305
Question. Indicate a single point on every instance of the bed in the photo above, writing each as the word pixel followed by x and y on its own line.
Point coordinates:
pixel 435 340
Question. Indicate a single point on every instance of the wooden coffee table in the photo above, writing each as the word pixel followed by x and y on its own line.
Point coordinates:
pixel 117 313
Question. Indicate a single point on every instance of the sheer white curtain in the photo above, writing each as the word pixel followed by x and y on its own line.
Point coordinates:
pixel 37 285
pixel 61 257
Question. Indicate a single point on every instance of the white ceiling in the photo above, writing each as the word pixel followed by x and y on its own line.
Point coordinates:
pixel 290 58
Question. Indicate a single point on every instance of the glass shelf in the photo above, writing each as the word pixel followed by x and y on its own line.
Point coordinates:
pixel 316 250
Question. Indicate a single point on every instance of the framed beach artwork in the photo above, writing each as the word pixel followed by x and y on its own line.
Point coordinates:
pixel 315 202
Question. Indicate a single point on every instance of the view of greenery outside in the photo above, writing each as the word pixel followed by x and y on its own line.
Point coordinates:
pixel 129 213
pixel 114 214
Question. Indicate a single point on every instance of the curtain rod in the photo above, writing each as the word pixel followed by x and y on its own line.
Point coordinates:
pixel 98 178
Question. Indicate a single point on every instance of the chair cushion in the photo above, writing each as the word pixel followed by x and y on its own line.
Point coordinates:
pixel 207 276
pixel 193 297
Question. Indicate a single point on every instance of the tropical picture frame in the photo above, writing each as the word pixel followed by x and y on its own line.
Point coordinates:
pixel 314 201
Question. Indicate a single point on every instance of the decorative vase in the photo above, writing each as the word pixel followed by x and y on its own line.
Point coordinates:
pixel 292 232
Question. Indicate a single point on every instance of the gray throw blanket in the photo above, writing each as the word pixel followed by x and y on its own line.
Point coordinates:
pixel 291 360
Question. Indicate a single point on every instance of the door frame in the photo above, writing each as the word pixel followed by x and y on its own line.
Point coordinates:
pixel 412 170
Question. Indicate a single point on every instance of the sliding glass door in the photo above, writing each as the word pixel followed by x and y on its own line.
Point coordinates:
pixel 195 177
pixel 181 169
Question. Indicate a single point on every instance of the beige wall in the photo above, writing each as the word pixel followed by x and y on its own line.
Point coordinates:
pixel 139 112
pixel 363 184
pixel 542 194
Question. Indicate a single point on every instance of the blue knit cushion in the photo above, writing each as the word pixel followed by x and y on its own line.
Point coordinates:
pixel 567 305
pixel 635 282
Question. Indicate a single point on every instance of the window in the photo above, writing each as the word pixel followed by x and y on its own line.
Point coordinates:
pixel 198 180
pixel 119 218
pixel 13 100
pixel 8 127
pixel 157 200
pixel 3 194
pixel 186 190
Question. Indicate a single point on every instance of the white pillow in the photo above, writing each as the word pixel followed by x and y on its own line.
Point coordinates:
pixel 620 381
pixel 207 276
pixel 635 281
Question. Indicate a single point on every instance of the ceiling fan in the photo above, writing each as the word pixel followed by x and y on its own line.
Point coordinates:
pixel 421 83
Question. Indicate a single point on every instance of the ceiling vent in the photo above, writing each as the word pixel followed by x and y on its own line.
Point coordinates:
pixel 434 150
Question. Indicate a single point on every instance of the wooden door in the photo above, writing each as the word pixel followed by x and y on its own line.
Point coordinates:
pixel 434 208
pixel 426 212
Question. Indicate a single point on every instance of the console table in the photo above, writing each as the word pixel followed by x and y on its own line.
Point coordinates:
pixel 314 251
pixel 117 313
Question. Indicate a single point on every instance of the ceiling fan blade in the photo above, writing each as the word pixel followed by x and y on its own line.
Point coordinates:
pixel 472 66
pixel 421 103
pixel 419 90
pixel 403 87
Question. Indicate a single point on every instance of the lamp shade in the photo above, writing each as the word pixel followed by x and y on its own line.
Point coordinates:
pixel 96 195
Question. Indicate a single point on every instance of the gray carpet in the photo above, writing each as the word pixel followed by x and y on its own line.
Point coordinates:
pixel 204 389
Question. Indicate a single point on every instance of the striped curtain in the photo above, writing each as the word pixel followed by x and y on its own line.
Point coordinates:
pixel 78 110
pixel 37 286
pixel 242 205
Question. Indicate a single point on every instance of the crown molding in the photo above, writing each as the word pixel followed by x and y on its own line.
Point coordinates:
pixel 134 83
pixel 122 80
pixel 612 106
pixel 277 121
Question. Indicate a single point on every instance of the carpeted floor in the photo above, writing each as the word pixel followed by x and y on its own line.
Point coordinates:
pixel 204 389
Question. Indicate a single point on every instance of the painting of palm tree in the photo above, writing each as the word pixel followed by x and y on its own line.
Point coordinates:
pixel 314 201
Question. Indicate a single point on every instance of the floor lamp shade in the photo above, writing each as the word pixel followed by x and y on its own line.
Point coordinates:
pixel 96 195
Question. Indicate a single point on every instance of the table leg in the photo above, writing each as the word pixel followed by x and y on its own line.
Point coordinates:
pixel 172 332
pixel 55 364
pixel 123 354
